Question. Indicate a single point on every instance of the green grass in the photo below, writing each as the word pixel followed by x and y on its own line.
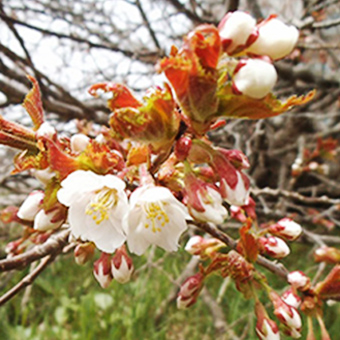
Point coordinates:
pixel 66 303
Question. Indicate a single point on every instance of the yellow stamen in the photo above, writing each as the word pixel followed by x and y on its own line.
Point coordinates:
pixel 101 204
pixel 156 215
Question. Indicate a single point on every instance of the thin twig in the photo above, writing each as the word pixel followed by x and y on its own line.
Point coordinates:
pixel 27 280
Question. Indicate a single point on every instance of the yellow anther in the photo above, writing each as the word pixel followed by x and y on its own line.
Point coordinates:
pixel 101 204
pixel 156 215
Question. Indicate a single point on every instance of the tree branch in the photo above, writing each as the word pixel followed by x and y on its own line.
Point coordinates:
pixel 52 246
pixel 27 280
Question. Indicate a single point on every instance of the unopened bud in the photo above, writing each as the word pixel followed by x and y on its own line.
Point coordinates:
pixel 275 39
pixel 288 315
pixel 44 221
pixel 327 254
pixel 235 29
pixel 286 228
pixel 121 266
pixel 291 298
pixel 46 130
pixel 266 329
pixel 182 148
pixel 31 205
pixel 189 291
pixel 254 78
pixel 299 280
pixel 202 247
pixel 84 252
pixel 79 142
pixel 44 176
pixel 102 270
pixel 274 247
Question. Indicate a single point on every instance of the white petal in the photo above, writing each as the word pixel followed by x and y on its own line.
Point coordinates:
pixel 113 182
pixel 78 218
pixel 105 236
pixel 77 183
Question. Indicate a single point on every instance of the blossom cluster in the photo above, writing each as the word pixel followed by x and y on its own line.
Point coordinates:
pixel 152 170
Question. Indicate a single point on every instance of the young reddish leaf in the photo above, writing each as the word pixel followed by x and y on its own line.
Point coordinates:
pixel 248 244
pixel 33 104
pixel 122 97
pixel 27 160
pixel 233 105
pixel 138 155
pixel 59 161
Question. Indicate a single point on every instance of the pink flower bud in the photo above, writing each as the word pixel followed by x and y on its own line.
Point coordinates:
pixel 235 29
pixel 299 280
pixel 12 247
pixel 274 247
pixel 84 252
pixel 266 329
pixel 121 266
pixel 238 194
pixel 31 205
pixel 79 142
pixel 102 270
pixel 182 148
pixel 286 228
pixel 275 39
pixel 44 221
pixel 197 245
pixel 254 78
pixel 194 245
pixel 291 298
pixel 288 315
pixel 236 158
pixel 189 291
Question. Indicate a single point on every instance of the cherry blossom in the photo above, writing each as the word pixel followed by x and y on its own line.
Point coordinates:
pixel 155 216
pixel 97 205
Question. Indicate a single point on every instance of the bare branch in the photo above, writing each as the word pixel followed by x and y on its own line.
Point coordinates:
pixel 27 280
pixel 52 246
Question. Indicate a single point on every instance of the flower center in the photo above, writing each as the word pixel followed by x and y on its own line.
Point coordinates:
pixel 156 216
pixel 101 204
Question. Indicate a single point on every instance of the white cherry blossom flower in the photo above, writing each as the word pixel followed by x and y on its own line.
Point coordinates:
pixel 97 205
pixel 155 217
